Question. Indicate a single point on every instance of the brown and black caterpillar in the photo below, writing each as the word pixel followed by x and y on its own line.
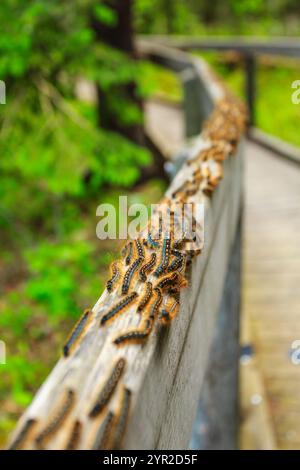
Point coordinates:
pixel 140 334
pixel 150 242
pixel 129 275
pixel 165 256
pixel 108 388
pixel 147 267
pixel 77 332
pixel 177 263
pixel 74 436
pixel 146 297
pixel 122 418
pixel 135 336
pixel 104 434
pixel 115 276
pixel 56 421
pixel 20 439
pixel 118 308
pixel 139 248
pixel 167 280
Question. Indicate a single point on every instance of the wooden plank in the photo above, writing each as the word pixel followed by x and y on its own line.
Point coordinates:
pixel 275 145
pixel 270 301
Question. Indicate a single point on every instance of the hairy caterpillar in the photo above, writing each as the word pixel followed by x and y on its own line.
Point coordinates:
pixel 103 436
pixel 55 422
pixel 122 418
pixel 139 248
pixel 145 299
pixel 129 274
pixel 140 334
pixel 167 281
pixel 118 308
pixel 20 439
pixel 135 336
pixel 165 256
pixel 150 242
pixel 115 275
pixel 177 262
pixel 147 267
pixel 108 389
pixel 77 332
pixel 74 436
pixel 156 304
pixel 130 253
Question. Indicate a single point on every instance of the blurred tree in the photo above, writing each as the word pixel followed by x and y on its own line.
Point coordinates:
pixel 118 33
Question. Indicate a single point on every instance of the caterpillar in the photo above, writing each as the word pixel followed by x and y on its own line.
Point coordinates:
pixel 118 308
pixel 122 419
pixel 115 275
pixel 108 388
pixel 141 334
pixel 165 256
pixel 156 304
pixel 169 312
pixel 130 253
pixel 167 281
pixel 77 332
pixel 147 267
pixel 135 336
pixel 75 436
pixel 60 415
pixel 103 436
pixel 146 297
pixel 177 262
pixel 139 248
pixel 129 274
pixel 20 439
pixel 175 293
pixel 152 243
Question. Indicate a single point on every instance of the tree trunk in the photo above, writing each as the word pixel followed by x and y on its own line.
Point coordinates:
pixel 119 36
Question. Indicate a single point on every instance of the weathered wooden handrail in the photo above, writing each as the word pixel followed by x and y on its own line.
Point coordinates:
pixel 249 49
pixel 99 385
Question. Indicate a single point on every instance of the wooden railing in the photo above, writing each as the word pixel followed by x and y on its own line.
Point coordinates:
pixel 144 394
pixel 249 50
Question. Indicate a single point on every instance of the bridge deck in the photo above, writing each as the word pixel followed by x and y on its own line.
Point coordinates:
pixel 270 403
pixel 271 295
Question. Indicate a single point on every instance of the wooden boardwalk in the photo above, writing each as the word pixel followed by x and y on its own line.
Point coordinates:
pixel 269 381
pixel 271 301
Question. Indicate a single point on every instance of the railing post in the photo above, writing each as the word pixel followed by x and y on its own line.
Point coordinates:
pixel 250 85
pixel 216 424
pixel 193 115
